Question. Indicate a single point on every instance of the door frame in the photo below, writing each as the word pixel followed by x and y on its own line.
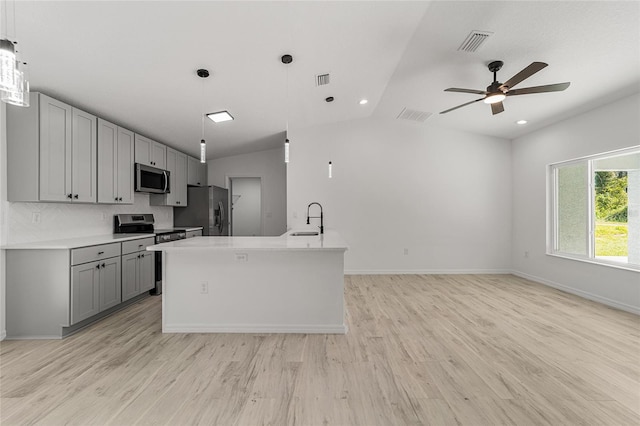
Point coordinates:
pixel 228 179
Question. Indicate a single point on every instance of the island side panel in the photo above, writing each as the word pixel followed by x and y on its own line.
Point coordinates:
pixel 289 291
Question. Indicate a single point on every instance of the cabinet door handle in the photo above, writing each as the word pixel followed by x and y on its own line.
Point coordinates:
pixel 142 256
pixel 100 252
pixel 103 265
pixel 140 245
pixel 138 256
pixel 98 266
pixel 75 196
pixel 116 198
pixel 69 195
pixel 120 199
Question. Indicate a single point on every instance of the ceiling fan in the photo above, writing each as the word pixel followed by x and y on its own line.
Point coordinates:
pixel 497 92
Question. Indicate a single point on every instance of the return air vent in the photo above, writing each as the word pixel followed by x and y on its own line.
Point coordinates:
pixel 322 79
pixel 474 40
pixel 414 115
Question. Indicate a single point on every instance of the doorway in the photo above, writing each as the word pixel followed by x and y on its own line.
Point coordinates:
pixel 246 206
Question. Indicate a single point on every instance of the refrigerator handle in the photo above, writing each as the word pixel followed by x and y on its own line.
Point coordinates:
pixel 221 206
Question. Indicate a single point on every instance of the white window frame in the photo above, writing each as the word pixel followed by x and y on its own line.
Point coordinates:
pixel 552 210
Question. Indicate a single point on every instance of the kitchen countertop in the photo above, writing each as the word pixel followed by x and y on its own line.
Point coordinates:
pixel 71 243
pixel 330 240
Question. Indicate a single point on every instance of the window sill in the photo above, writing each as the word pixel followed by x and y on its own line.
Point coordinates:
pixel 602 262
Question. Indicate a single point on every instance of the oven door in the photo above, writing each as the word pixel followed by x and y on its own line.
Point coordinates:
pixel 152 179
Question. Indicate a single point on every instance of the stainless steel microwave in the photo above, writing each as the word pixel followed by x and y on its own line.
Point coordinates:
pixel 152 179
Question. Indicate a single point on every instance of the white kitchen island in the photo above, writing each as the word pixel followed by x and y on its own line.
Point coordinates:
pixel 286 284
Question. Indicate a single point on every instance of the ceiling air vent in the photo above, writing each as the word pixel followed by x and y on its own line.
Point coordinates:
pixel 413 115
pixel 474 40
pixel 322 79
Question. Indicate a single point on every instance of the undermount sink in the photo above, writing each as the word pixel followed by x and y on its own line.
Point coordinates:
pixel 304 233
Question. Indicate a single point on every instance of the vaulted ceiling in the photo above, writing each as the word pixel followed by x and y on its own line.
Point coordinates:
pixel 134 62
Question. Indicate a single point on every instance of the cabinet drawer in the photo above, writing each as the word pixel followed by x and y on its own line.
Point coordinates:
pixel 137 245
pixel 89 254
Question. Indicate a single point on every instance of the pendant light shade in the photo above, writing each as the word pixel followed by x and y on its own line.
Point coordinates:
pixel 203 151
pixel 330 170
pixel 7 66
pixel 19 96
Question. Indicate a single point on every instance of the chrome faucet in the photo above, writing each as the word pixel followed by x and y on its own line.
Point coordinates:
pixel 316 217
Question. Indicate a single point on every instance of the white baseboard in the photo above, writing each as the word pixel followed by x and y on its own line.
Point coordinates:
pixel 255 329
pixel 426 271
pixel 3 335
pixel 581 293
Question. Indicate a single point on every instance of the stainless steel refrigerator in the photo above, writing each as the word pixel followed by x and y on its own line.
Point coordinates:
pixel 207 206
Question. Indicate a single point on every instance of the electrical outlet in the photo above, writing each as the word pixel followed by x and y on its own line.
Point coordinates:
pixel 406 251
pixel 204 287
pixel 35 217
pixel 242 257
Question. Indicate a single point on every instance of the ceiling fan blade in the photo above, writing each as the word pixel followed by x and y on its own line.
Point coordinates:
pixel 497 108
pixel 475 92
pixel 460 106
pixel 524 74
pixel 539 89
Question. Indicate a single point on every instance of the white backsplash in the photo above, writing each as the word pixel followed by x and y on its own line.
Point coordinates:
pixel 60 220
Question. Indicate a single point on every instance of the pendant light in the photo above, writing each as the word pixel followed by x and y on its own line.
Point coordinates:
pixel 330 170
pixel 203 73
pixel 286 59
pixel 19 96
pixel 7 65
pixel 14 79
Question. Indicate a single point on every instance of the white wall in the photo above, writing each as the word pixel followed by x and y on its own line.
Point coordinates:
pixel 613 126
pixel 246 210
pixel 443 195
pixel 268 165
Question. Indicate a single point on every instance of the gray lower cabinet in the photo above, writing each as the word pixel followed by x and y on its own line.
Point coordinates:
pixel 70 287
pixel 95 287
pixel 137 274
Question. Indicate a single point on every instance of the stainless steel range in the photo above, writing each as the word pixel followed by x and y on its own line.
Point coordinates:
pixel 143 224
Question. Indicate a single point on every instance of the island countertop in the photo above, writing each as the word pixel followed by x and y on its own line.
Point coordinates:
pixel 330 240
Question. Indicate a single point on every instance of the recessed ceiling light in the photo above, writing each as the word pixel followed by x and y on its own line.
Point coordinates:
pixel 521 122
pixel 220 116
pixel 363 101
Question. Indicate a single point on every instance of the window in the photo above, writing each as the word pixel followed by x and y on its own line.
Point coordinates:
pixel 595 209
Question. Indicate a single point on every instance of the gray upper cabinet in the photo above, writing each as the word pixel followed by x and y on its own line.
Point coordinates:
pixel 52 152
pixel 115 164
pixel 177 167
pixel 196 172
pixel 150 153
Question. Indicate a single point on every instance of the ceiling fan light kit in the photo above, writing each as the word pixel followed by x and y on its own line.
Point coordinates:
pixel 497 92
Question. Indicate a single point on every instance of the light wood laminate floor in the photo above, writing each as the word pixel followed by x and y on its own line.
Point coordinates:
pixel 422 349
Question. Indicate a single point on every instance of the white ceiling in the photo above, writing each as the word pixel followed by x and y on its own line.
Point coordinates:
pixel 134 63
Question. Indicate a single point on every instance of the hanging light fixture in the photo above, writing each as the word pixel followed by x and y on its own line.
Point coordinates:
pixel 330 170
pixel 7 65
pixel 286 59
pixel 203 73
pixel 14 78
pixel 19 96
